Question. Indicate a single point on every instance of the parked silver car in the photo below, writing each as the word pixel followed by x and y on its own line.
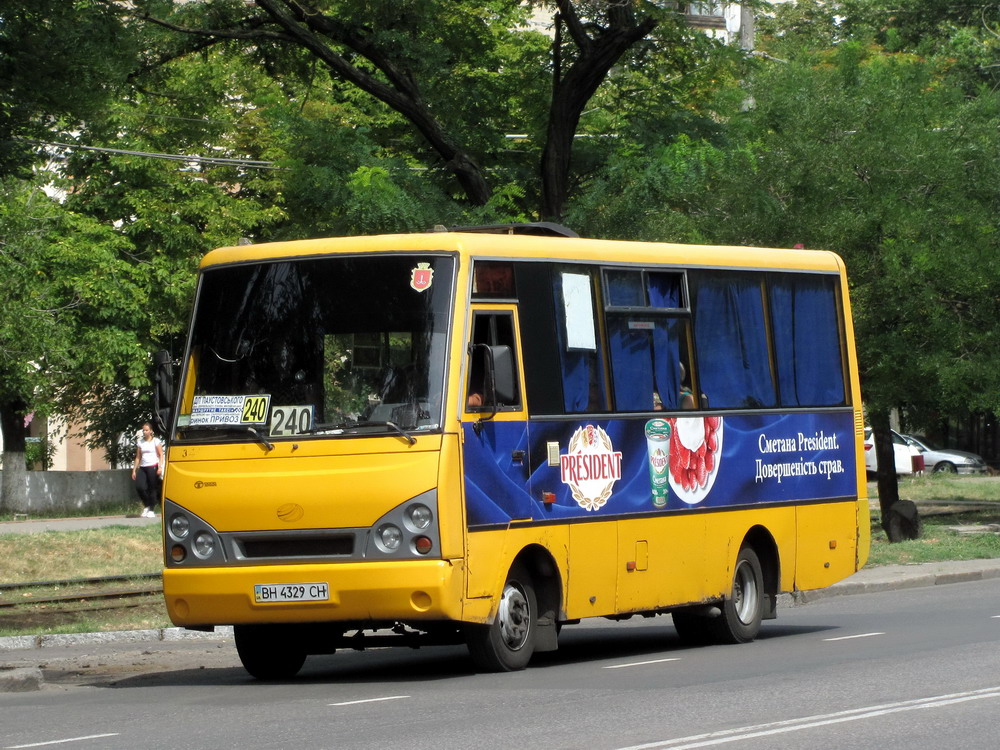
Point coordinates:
pixel 946 459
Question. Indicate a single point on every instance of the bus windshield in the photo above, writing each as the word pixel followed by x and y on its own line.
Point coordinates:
pixel 325 346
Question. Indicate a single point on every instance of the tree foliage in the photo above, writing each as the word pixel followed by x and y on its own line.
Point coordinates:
pixel 450 81
pixel 66 323
pixel 859 127
pixel 59 60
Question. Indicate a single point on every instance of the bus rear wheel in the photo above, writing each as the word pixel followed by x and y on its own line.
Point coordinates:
pixel 743 609
pixel 268 652
pixel 507 644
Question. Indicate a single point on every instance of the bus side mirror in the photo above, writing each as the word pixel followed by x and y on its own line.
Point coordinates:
pixel 503 374
pixel 163 393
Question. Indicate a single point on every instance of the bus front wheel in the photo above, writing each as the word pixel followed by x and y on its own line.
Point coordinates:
pixel 506 644
pixel 268 652
pixel 743 609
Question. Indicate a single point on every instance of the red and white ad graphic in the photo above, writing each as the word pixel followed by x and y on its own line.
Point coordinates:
pixel 695 451
pixel 590 467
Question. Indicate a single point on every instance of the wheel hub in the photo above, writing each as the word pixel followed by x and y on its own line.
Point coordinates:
pixel 513 617
pixel 745 593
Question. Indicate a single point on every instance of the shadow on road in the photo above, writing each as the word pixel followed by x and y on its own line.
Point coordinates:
pixel 219 666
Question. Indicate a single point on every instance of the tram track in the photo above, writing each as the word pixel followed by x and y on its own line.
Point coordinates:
pixel 99 592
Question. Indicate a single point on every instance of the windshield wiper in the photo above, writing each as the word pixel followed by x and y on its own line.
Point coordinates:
pixel 392 426
pixel 263 440
pixel 330 427
pixel 232 430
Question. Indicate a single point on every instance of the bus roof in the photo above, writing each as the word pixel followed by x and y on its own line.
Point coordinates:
pixel 521 247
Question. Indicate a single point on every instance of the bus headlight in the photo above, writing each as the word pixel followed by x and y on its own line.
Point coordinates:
pixel 389 537
pixel 179 527
pixel 407 531
pixel 204 545
pixel 420 516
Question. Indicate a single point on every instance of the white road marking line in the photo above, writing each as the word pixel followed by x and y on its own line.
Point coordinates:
pixel 809 722
pixel 639 663
pixel 370 700
pixel 59 742
pixel 852 637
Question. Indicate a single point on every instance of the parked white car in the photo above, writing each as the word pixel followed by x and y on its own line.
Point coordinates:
pixel 946 459
pixel 903 452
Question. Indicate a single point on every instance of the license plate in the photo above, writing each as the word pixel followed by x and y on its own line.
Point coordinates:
pixel 265 593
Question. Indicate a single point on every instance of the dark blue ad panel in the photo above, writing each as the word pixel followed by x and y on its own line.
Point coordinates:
pixel 590 468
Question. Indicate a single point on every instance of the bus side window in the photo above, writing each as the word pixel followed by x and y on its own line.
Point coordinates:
pixel 730 333
pixel 807 340
pixel 646 316
pixel 496 330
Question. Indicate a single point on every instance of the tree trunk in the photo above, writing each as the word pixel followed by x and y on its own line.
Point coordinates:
pixel 14 486
pixel 570 94
pixel 900 519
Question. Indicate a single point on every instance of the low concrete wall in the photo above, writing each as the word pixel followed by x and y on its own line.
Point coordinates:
pixel 63 490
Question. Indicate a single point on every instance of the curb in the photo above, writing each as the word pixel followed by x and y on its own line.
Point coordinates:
pixel 21 680
pixel 19 642
pixel 30 679
pixel 897 577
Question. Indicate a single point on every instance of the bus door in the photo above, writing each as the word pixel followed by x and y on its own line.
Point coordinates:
pixel 496 461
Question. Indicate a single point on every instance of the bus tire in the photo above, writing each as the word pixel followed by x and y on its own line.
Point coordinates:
pixel 743 609
pixel 268 653
pixel 692 628
pixel 507 644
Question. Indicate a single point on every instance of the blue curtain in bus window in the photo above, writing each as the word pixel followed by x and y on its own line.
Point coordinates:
pixel 807 341
pixel 664 290
pixel 731 342
pixel 666 362
pixel 630 345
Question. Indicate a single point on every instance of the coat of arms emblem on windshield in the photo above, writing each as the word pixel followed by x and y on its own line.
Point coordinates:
pixel 421 277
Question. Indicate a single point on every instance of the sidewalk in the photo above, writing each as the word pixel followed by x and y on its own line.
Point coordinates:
pixel 894 577
pixel 35 526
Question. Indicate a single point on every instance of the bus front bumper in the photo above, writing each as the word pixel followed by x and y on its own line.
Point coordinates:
pixel 424 590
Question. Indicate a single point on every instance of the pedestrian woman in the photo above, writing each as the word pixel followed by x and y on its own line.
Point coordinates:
pixel 147 470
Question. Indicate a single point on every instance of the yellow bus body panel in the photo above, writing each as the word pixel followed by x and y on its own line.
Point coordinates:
pixel 338 484
pixel 362 591
pixel 523 247
pixel 827 544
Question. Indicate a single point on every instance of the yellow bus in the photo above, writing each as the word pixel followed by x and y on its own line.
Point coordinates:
pixel 483 434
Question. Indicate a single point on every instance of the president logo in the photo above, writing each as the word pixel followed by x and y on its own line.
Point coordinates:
pixel 590 467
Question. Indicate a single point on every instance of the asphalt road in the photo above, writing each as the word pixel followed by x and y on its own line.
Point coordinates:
pixel 909 668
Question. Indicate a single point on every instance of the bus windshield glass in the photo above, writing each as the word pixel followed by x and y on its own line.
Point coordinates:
pixel 327 346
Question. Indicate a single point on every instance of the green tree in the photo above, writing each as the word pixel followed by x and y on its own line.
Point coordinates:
pixel 889 157
pixel 60 60
pixel 451 80
pixel 884 157
pixel 179 166
pixel 65 316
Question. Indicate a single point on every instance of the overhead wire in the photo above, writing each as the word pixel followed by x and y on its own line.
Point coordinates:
pixel 218 161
